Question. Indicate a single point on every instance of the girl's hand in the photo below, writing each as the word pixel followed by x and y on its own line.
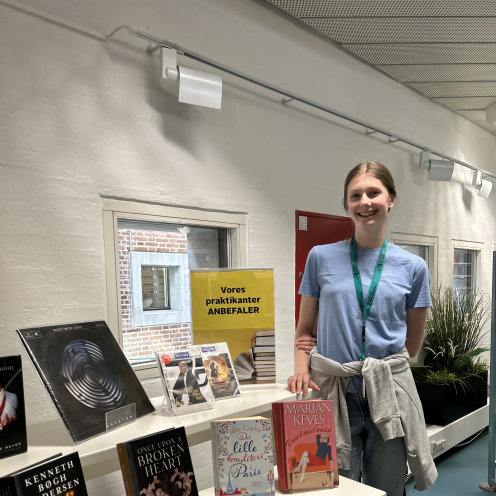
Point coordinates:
pixel 305 344
pixel 301 382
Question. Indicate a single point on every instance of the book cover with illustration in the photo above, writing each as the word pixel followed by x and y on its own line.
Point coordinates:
pixel 305 442
pixel 158 465
pixel 85 373
pixel 242 457
pixel 185 381
pixel 220 370
pixel 62 476
pixel 13 438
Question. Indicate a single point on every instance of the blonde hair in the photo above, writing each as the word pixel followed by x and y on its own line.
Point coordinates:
pixel 375 169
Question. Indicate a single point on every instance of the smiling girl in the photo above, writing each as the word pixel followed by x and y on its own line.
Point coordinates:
pixel 370 300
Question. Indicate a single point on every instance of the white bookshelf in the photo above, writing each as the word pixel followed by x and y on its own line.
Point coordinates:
pixel 99 455
pixel 347 487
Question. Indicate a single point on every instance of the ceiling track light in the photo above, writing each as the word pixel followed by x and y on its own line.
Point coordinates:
pixel 434 166
pixel 195 87
pixel 482 185
pixel 439 170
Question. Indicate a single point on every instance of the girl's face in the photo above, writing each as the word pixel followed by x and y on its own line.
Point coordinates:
pixel 368 201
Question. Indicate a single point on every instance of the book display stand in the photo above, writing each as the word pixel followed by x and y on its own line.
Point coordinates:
pixel 87 376
pixel 120 417
pixel 185 381
pixel 220 370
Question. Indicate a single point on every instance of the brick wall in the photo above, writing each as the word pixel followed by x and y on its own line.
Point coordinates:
pixel 141 341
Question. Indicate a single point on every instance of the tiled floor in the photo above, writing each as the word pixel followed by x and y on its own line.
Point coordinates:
pixel 460 470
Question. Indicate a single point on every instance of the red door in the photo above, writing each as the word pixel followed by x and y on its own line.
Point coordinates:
pixel 316 229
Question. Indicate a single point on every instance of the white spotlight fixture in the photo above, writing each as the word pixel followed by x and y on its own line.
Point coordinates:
pixel 491 114
pixel 482 185
pixel 439 170
pixel 195 87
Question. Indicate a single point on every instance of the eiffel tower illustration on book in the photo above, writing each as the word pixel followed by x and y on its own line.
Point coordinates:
pixel 229 489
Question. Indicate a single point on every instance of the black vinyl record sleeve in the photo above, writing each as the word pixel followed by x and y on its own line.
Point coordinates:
pixel 160 464
pixel 62 476
pixel 86 374
pixel 13 438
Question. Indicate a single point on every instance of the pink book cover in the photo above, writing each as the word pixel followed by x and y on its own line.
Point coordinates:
pixel 306 439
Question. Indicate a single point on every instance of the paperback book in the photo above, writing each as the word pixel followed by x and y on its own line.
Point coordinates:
pixel 85 373
pixel 242 456
pixel 158 465
pixel 185 381
pixel 263 338
pixel 244 367
pixel 220 370
pixel 62 476
pixel 13 438
pixel 305 444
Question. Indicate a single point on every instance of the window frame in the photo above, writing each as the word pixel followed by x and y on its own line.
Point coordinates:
pixel 113 210
pixel 421 240
pixel 467 245
pixel 416 239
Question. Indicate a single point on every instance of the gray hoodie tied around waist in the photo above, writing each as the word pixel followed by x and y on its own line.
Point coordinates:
pixel 394 407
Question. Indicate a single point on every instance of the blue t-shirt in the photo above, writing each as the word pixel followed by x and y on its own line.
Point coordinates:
pixel 404 284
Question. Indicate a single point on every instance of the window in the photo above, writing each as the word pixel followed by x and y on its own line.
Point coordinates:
pixel 465 269
pixel 149 251
pixel 424 247
pixel 421 251
pixel 155 289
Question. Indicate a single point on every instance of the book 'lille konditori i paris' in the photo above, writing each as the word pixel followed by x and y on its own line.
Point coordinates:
pixel 242 456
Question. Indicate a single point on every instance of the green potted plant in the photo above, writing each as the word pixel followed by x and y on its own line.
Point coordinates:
pixel 452 382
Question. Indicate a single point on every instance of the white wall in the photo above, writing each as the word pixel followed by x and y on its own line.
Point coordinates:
pixel 81 119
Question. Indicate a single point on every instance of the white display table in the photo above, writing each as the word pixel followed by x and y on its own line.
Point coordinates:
pixel 347 487
pixel 99 455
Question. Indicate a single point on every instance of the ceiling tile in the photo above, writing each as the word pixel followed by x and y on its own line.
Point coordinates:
pixel 433 90
pixel 343 8
pixel 406 30
pixel 459 72
pixel 426 53
pixel 445 49
pixel 470 103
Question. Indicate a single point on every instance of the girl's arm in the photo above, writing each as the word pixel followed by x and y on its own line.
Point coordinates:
pixel 415 328
pixel 301 381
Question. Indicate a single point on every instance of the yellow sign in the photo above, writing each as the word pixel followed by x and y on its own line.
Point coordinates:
pixel 230 305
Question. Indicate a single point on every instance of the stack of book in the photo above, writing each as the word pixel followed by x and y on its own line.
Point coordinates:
pixel 263 355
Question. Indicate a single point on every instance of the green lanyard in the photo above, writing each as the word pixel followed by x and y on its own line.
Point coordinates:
pixel 365 308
